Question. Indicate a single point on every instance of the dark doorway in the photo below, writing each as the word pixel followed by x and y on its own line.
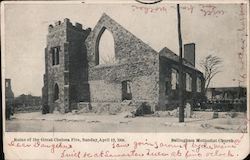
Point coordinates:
pixel 56 92
pixel 126 90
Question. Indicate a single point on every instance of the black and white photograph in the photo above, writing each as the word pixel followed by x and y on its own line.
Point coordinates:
pixel 125 79
pixel 130 67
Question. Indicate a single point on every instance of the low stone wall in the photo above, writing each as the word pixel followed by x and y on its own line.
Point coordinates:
pixel 22 109
pixel 197 114
pixel 200 115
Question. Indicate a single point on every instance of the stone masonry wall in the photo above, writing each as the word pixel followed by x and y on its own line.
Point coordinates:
pixel 56 38
pixel 135 61
pixel 77 65
pixel 81 78
pixel 71 70
pixel 104 91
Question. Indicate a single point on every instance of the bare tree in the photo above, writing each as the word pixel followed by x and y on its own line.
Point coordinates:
pixel 211 66
pixel 108 59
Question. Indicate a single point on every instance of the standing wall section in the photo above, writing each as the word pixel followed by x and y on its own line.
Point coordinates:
pixel 170 100
pixel 135 62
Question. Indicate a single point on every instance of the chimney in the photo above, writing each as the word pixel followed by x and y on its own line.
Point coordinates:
pixel 189 53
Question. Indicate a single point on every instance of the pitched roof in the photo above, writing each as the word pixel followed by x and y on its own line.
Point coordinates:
pixel 167 53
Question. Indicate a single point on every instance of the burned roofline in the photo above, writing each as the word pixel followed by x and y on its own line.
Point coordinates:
pixel 176 62
pixel 165 52
pixel 175 59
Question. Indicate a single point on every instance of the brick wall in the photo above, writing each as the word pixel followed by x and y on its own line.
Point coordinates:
pixel 171 100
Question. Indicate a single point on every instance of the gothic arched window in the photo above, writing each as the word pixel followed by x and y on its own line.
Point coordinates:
pixel 105 47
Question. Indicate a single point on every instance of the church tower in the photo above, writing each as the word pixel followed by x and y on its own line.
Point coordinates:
pixel 66 68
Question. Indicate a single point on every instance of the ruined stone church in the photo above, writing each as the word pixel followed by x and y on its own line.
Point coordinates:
pixel 75 79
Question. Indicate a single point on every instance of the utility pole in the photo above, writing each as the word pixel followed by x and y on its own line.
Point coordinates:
pixel 181 99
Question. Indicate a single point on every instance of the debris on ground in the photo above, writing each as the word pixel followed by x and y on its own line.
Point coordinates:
pixel 215 115
pixel 174 124
pixel 126 122
pixel 172 113
pixel 205 125
pixel 93 121
pixel 128 115
pixel 168 124
pixel 231 114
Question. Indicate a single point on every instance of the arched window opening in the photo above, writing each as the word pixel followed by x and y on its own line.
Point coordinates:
pixel 106 48
pixel 56 92
pixel 55 55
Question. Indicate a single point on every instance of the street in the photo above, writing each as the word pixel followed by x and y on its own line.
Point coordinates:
pixel 90 122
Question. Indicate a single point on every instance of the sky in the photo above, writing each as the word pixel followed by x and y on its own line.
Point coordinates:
pixel 215 29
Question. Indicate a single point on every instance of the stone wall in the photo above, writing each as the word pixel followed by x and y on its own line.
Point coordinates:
pixel 81 78
pixel 55 73
pixel 135 62
pixel 71 71
pixel 105 91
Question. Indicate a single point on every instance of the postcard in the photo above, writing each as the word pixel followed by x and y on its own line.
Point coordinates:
pixel 131 79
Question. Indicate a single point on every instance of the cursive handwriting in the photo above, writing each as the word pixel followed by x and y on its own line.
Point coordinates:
pixel 51 146
pixel 147 9
pixel 186 7
pixel 242 32
pixel 211 10
pixel 220 148
pixel 243 44
pixel 203 9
